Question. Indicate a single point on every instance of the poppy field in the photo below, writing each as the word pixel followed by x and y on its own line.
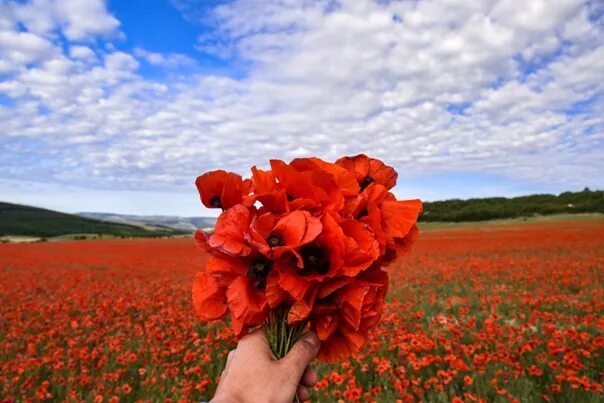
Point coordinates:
pixel 492 313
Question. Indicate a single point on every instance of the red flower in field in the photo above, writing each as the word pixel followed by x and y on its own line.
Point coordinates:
pixel 535 371
pixel 221 189
pixel 369 170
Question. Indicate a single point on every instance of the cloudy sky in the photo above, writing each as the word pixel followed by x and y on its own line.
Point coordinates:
pixel 117 106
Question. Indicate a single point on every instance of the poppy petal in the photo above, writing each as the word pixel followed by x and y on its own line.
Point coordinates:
pixel 264 181
pixel 301 309
pixel 201 239
pixel 400 216
pixel 275 295
pixel 229 232
pixel 345 180
pixel 325 326
pixel 382 173
pixel 362 249
pixel 352 303
pixel 298 228
pixel 292 282
pixel 226 266
pixel 209 299
pixel 358 166
pixel 329 287
pixel 403 245
pixel 246 302
pixel 221 189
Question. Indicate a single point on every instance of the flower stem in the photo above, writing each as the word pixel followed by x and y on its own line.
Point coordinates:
pixel 280 335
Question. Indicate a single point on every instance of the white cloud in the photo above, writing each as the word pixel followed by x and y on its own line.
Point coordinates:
pixel 18 49
pixel 431 87
pixel 81 52
pixel 77 19
pixel 171 60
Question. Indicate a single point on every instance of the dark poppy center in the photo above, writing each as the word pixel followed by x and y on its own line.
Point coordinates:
pixel 215 202
pixel 368 180
pixel 275 239
pixel 258 272
pixel 289 197
pixel 363 213
pixel 315 260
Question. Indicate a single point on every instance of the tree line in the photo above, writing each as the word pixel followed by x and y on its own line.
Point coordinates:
pixel 585 201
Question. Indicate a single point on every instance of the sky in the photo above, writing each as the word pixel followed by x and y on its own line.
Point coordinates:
pixel 117 106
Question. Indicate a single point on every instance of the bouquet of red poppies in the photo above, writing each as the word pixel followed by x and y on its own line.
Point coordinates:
pixel 303 245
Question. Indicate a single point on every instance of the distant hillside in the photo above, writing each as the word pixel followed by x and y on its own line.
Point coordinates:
pixel 189 224
pixel 586 201
pixel 22 220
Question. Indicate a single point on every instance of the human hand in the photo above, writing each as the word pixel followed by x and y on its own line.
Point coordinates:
pixel 252 374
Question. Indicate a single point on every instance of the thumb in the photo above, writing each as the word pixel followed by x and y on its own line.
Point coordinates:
pixel 301 354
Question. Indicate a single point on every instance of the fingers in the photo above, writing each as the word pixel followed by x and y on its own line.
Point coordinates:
pixel 255 343
pixel 309 378
pixel 302 393
pixel 301 354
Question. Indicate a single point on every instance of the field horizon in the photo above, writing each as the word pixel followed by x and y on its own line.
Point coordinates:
pixel 21 223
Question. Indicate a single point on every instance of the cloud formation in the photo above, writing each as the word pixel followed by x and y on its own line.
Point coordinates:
pixel 430 87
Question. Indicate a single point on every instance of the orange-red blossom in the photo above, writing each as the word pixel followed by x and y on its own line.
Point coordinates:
pixel 311 236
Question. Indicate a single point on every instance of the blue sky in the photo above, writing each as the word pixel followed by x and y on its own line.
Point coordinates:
pixel 117 106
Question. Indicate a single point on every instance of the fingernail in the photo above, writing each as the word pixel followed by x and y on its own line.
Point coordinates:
pixel 312 338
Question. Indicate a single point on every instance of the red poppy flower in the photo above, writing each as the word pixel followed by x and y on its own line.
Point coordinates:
pixel 342 177
pixel 286 285
pixel 221 189
pixel 274 236
pixel 229 233
pixel 368 170
pixel 342 250
pixel 307 186
pixel 236 284
pixel 343 318
pixel 267 192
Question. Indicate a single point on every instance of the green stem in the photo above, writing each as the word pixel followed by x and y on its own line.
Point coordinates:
pixel 280 335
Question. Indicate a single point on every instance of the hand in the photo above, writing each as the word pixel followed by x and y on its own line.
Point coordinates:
pixel 252 374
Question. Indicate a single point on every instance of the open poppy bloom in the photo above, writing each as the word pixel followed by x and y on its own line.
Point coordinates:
pixel 369 170
pixel 221 189
pixel 273 236
pixel 303 245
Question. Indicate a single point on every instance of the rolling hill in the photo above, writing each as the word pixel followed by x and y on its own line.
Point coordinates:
pixel 179 223
pixel 22 220
pixel 19 220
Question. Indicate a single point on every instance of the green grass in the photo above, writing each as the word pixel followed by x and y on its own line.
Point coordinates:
pixel 518 220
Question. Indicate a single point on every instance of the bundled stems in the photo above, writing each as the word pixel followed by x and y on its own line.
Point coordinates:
pixel 280 335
